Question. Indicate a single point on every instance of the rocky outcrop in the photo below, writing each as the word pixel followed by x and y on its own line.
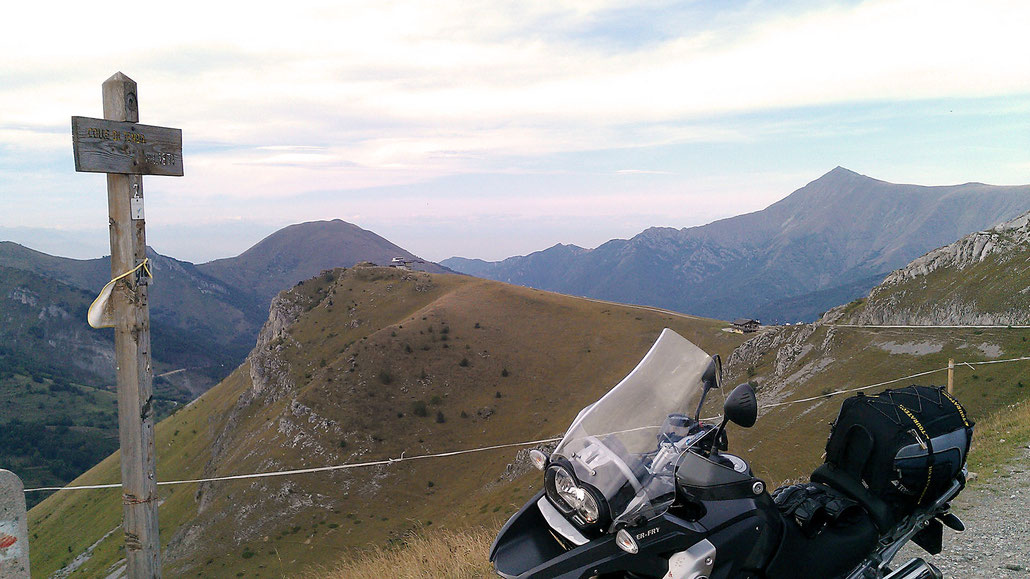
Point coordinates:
pixel 975 281
pixel 796 358
pixel 269 372
pixel 972 249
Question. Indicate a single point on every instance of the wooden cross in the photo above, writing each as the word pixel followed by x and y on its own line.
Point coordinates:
pixel 126 150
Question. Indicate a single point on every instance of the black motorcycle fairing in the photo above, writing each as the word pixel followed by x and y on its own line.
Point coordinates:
pixel 524 541
pixel 517 555
pixel 745 531
pixel 695 470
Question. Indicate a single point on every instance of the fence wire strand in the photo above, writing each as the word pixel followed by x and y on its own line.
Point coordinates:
pixel 402 458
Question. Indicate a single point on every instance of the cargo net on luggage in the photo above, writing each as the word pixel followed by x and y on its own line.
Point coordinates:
pixel 905 445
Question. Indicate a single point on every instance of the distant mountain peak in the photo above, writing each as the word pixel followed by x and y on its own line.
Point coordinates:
pixel 828 240
pixel 301 251
pixel 838 170
pixel 843 174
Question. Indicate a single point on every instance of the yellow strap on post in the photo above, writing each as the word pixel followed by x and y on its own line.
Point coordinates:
pixel 100 314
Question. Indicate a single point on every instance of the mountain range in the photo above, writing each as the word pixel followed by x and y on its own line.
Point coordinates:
pixel 827 243
pixel 365 364
pixel 370 363
pixel 204 317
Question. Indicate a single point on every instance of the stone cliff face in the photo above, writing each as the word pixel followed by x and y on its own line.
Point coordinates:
pixel 297 429
pixel 978 280
pixel 970 250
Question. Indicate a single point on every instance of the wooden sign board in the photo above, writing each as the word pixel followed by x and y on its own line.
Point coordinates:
pixel 102 146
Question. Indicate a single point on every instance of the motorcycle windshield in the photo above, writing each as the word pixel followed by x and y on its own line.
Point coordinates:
pixel 618 444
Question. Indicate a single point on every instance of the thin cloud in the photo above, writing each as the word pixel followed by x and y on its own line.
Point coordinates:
pixel 316 95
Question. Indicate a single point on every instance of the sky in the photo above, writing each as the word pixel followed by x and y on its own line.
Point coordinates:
pixel 488 129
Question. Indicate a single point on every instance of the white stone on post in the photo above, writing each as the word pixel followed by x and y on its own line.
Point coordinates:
pixel 14 528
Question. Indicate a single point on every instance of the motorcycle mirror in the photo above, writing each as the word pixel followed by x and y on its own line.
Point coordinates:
pixel 741 406
pixel 712 378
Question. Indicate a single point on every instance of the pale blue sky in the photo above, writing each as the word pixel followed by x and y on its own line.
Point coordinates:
pixel 489 129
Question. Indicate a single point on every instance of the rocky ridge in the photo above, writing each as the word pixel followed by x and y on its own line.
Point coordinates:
pixel 972 249
pixel 975 281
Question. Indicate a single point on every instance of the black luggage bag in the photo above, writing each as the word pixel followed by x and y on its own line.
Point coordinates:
pixel 905 445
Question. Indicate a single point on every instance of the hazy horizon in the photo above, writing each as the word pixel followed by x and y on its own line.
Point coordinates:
pixel 486 130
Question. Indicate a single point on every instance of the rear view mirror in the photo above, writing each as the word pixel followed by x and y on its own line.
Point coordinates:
pixel 741 406
pixel 712 378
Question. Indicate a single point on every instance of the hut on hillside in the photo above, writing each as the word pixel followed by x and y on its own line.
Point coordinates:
pixel 745 325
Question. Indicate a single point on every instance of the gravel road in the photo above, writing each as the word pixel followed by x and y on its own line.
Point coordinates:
pixel 996 542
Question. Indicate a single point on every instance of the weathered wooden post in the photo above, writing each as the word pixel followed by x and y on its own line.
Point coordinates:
pixel 951 375
pixel 125 150
pixel 14 528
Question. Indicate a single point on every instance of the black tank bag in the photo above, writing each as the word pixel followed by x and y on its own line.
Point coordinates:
pixel 905 445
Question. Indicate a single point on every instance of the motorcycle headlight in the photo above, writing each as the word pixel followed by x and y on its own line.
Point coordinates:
pixel 572 497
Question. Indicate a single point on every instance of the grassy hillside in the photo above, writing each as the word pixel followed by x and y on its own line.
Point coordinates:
pixel 992 291
pixel 369 363
pixel 463 554
pixel 799 362
pixel 355 366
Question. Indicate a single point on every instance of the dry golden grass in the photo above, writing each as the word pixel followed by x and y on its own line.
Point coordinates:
pixel 425 554
pixel 999 438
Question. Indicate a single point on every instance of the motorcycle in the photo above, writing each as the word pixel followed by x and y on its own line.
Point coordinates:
pixel 638 488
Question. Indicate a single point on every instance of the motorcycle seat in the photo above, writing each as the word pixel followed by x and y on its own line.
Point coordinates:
pixel 837 548
pixel 879 511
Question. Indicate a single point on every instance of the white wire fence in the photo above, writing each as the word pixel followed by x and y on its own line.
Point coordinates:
pixel 524 444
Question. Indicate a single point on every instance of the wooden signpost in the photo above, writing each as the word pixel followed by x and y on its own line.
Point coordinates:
pixel 103 146
pixel 126 150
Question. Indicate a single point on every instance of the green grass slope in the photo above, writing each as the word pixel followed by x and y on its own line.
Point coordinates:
pixel 356 366
pixel 366 364
pixel 799 362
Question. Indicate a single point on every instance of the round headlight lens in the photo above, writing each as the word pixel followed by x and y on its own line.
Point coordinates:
pixel 588 509
pixel 564 484
pixel 575 496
